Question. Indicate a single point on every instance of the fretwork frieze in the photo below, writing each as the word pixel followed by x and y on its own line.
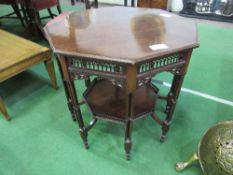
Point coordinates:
pixel 159 64
pixel 82 68
pixel 109 67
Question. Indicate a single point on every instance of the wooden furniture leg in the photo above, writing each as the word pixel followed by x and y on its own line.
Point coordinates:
pixel 87 3
pixel 91 4
pixel 132 3
pixel 17 11
pixel 128 130
pixel 34 21
pixel 3 109
pixel 50 13
pixel 96 3
pixel 174 94
pixel 72 99
pixel 125 2
pixel 131 83
pixel 128 141
pixel 25 16
pixel 50 69
pixel 59 8
pixel 25 54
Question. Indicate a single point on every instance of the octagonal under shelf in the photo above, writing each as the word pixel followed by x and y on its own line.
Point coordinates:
pixel 108 101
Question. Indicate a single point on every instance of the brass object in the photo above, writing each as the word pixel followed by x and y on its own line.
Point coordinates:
pixel 215 151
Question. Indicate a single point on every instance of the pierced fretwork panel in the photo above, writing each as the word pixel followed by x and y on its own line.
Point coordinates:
pixel 159 63
pixel 108 67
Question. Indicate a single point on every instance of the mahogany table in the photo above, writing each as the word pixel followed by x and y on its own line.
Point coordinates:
pixel 124 52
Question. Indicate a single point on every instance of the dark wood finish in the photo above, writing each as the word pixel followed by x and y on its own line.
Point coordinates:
pixel 73 1
pixel 128 141
pixel 121 55
pixel 130 34
pixel 72 99
pixel 32 16
pixel 110 104
pixel 90 4
pixel 15 7
pixel 50 13
pixel 132 3
pixel 160 4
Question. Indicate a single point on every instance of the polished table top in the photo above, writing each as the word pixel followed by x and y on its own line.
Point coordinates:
pixel 123 34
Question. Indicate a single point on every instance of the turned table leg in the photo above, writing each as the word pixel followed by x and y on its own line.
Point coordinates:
pixel 128 126
pixel 174 94
pixel 72 98
pixel 91 4
pixel 3 109
pixel 131 84
pixel 128 141
pixel 171 103
pixel 72 2
pixel 87 3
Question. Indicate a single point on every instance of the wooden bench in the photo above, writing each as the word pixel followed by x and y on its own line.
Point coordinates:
pixel 18 54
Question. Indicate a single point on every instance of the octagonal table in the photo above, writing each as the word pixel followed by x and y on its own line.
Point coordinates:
pixel 123 47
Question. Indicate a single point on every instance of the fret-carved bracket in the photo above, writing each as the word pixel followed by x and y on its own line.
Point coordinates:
pixel 118 82
pixel 143 81
pixel 80 76
pixel 176 71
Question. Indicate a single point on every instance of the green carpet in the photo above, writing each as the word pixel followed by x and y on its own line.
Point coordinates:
pixel 42 138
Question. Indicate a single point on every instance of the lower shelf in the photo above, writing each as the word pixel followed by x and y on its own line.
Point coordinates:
pixel 109 102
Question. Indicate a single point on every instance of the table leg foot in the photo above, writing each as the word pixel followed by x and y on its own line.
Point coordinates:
pixel 127 156
pixel 50 69
pixel 3 110
pixel 86 145
pixel 128 142
pixel 165 128
pixel 162 138
pixel 84 134
pixel 128 145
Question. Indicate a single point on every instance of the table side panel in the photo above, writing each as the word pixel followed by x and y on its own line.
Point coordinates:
pixel 24 64
pixel 171 63
pixel 81 68
pixel 14 49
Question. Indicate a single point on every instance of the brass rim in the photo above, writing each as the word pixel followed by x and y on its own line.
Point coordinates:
pixel 218 149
